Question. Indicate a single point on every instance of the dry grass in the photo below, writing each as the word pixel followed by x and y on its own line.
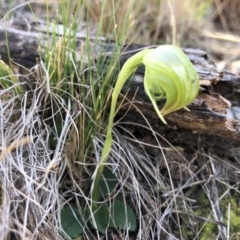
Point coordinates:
pixel 151 22
pixel 29 179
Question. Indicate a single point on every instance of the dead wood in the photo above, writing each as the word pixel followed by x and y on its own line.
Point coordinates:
pixel 207 124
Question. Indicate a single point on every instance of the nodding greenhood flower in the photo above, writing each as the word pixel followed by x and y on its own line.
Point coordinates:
pixel 168 74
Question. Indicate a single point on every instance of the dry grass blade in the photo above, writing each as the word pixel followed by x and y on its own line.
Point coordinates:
pixel 13 146
pixel 30 171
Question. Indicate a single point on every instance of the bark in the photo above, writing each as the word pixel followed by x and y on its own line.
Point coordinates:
pixel 207 125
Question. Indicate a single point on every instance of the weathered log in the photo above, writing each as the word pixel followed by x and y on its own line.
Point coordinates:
pixel 206 125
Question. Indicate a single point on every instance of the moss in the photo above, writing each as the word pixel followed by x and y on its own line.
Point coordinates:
pixel 234 215
pixel 234 222
pixel 202 198
pixel 233 204
pixel 238 211
pixel 209 232
pixel 235 236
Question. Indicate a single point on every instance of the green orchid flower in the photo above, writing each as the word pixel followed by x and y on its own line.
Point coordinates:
pixel 168 74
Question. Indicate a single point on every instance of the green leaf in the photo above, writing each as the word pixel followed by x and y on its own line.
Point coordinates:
pixel 107 183
pixel 122 216
pixel 101 216
pixel 8 78
pixel 72 222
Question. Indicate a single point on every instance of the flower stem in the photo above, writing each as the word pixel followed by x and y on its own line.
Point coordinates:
pixel 128 68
